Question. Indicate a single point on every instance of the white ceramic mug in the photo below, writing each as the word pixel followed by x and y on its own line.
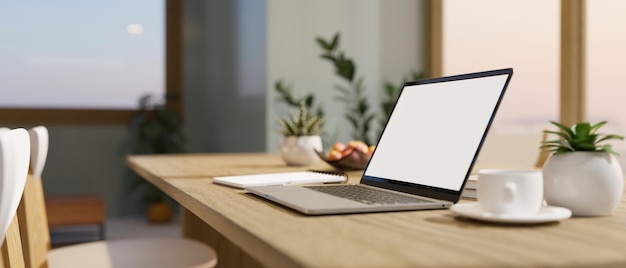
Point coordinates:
pixel 505 191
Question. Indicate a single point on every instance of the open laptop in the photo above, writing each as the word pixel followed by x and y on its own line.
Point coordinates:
pixel 424 155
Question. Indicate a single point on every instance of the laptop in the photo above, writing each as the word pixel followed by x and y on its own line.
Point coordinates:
pixel 424 155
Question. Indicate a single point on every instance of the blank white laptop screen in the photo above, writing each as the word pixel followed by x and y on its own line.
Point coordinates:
pixel 434 131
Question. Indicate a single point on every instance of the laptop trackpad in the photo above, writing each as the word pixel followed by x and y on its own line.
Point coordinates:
pixel 302 198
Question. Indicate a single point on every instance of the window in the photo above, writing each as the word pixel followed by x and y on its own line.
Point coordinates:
pixel 468 36
pixel 606 40
pixel 590 57
pixel 75 62
pixel 489 34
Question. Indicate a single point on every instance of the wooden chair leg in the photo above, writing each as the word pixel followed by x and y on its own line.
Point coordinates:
pixel 11 252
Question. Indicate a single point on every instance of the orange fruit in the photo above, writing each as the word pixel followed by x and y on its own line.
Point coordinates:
pixel 334 155
pixel 339 146
pixel 371 149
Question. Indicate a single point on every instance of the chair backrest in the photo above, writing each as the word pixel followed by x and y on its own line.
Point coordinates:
pixel 32 210
pixel 14 162
pixel 7 172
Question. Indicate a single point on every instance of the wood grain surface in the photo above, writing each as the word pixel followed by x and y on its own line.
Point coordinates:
pixel 275 236
pixel 34 224
pixel 11 254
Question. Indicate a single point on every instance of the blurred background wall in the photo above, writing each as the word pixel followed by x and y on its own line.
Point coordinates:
pixel 234 51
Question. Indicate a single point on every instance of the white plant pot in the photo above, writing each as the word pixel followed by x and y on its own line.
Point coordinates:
pixel 300 150
pixel 588 183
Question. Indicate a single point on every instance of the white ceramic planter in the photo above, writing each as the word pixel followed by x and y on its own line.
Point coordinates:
pixel 588 183
pixel 300 150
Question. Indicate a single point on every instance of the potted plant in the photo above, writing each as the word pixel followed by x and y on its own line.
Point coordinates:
pixel 156 129
pixel 582 174
pixel 301 137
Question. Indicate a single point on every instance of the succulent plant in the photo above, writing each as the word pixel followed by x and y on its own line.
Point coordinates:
pixel 301 123
pixel 580 137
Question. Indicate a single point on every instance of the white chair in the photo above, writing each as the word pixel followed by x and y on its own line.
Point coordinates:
pixel 145 252
pixel 14 156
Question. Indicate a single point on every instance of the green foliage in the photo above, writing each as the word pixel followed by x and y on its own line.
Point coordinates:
pixel 353 94
pixel 301 123
pixel 286 95
pixel 159 130
pixel 155 129
pixel 581 137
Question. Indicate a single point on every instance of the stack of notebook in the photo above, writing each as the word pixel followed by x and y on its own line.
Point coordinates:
pixel 470 187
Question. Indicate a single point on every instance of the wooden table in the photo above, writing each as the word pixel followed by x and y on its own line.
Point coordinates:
pixel 248 231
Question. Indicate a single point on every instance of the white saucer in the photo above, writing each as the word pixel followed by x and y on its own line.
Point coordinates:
pixel 546 214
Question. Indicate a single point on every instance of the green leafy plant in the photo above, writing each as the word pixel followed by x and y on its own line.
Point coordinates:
pixel 301 123
pixel 581 137
pixel 286 95
pixel 155 129
pixel 353 95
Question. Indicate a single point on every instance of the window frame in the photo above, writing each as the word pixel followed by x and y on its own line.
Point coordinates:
pixel 572 99
pixel 173 87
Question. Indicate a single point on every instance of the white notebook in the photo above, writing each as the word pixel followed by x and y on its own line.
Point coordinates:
pixel 472 182
pixel 285 178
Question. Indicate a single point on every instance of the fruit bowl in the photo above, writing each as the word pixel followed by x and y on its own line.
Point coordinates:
pixel 355 160
pixel 351 156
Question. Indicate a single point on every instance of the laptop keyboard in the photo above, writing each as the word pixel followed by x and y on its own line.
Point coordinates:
pixel 366 195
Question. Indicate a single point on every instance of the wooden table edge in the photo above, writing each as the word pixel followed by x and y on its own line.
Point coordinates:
pixel 260 250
